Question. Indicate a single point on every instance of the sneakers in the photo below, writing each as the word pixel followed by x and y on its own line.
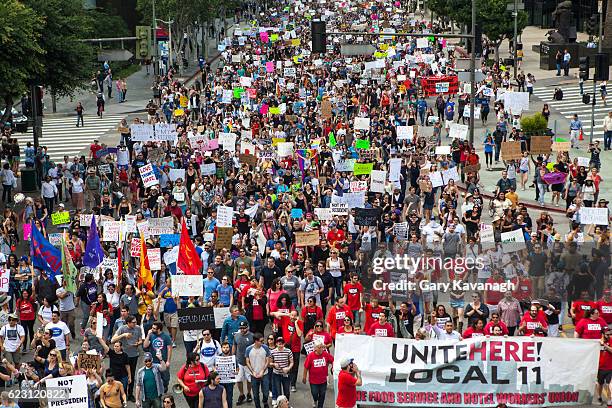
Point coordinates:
pixel 173 345
pixel 241 400
pixel 249 398
pixel 293 389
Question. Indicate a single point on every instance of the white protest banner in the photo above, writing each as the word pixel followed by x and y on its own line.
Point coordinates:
pixel 596 216
pixel 227 97
pixel 466 112
pixel 226 367
pixel 479 371
pixel 73 389
pixel 148 175
pixel 159 226
pixel 436 179
pixel 344 164
pixel 5 277
pixel 208 169
pixel 154 255
pixel 422 42
pixel 450 174
pixel 442 87
pixel 109 263
pixel 176 174
pixel 224 216
pixel 85 220
pixel 359 186
pixel 221 313
pixel 187 285
pixel 143 228
pixel 339 209
pixel 323 214
pixel 441 150
pixel 354 200
pixel 584 162
pixel 165 132
pixel 487 236
pixel 458 131
pixel 377 181
pixel 110 231
pixel 395 169
pixel 285 149
pixel 516 102
pixel 513 241
pixel 404 132
pixel 141 132
pixel 362 124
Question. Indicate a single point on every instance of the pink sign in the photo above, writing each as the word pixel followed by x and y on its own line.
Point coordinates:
pixel 270 66
pixel 27 231
pixel 252 93
pixel 212 144
pixel 264 36
pixel 264 109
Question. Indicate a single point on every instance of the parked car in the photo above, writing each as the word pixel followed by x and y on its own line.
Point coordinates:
pixel 18 121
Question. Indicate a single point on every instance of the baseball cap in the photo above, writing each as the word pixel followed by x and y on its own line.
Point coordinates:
pixel 147 356
pixel 345 362
pixel 280 339
pixel 244 324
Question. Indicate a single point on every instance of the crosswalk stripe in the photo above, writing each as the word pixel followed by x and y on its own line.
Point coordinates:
pixel 61 136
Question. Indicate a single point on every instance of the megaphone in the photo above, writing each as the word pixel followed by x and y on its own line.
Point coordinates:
pixel 177 388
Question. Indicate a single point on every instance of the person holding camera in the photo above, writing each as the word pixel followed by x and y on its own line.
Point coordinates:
pixel 349 379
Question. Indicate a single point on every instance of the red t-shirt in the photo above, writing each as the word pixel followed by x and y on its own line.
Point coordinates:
pixel 494 296
pixel 580 306
pixel 336 316
pixel 334 237
pixel 194 378
pixel 353 295
pixel 523 289
pixel 381 330
pixel 371 315
pixel 94 148
pixel 292 340
pixel 488 329
pixel 347 392
pixel 605 310
pixel 258 312
pixel 317 366
pixel 591 329
pixel 605 359
pixel 470 332
pixel 531 324
pixel 312 313
pixel 26 310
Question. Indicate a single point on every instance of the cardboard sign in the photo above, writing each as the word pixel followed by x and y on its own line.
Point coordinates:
pixel 323 214
pixel 61 217
pixel 511 150
pixel 187 285
pixel 326 108
pixel 87 361
pixel 540 144
pixel 224 237
pixel 249 159
pixel 362 124
pixel 366 216
pixel 561 147
pixel 221 313
pixel 148 175
pixel 310 238
pixel 111 231
pixel 225 216
pixel 196 318
pixel 471 168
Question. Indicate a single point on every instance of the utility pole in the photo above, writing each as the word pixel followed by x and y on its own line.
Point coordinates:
pixel 155 57
pixel 473 73
pixel 515 40
pixel 600 9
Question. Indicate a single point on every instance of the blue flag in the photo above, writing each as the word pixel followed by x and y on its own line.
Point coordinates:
pixel 44 255
pixel 94 254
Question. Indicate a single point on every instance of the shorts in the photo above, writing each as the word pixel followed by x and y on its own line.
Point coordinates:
pixel 524 171
pixel 604 377
pixel 243 374
pixel 428 296
pixel 457 303
pixel 12 357
pixel 171 320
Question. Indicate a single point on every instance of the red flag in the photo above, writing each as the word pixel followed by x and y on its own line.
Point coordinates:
pixel 144 277
pixel 188 260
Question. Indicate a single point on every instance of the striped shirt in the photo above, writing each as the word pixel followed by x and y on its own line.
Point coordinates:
pixel 283 358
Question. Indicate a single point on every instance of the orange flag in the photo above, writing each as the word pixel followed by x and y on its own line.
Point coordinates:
pixel 144 277
pixel 188 259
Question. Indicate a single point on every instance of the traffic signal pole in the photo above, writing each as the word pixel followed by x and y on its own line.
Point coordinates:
pixel 592 132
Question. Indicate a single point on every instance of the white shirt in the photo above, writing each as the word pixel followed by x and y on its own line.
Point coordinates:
pixel 12 336
pixel 59 331
pixel 77 185
pixel 607 123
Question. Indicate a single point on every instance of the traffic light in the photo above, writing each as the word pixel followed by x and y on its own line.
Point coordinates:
pixel 592 25
pixel 319 36
pixel 143 42
pixel 478 40
pixel 602 66
pixel 583 68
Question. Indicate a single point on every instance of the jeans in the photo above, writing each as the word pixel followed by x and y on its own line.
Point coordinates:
pixel 608 140
pixel 281 385
pixel 165 375
pixel 558 69
pixel 262 383
pixel 293 374
pixel 497 151
pixel 566 68
pixel 49 202
pixel 124 382
pixel 80 119
pixel 6 192
pixel 229 393
pixel 338 286
pixel 541 192
pixel 152 403
pixel 422 117
pixel 318 393
pixel 85 310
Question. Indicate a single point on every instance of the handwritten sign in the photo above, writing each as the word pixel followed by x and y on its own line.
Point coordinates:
pixel 511 150
pixel 310 238
pixel 148 175
pixel 595 216
pixel 135 247
pixel 159 226
pixel 154 255
pixel 187 285
pixel 224 238
pixel 540 144
pixel 60 217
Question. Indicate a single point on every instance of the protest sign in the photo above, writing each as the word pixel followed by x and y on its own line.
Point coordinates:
pixel 511 150
pixel 310 238
pixel 400 230
pixel 516 102
pixel 366 216
pixel 584 162
pixel 111 231
pixel 105 168
pixel 135 247
pixel 224 238
pixel 154 255
pixel 326 108
pixel 148 175
pixel 487 236
pixel 195 318
pixel 5 277
pixel 225 215
pixel 323 214
pixel 471 168
pixel 309 347
pixel 285 149
pixel 441 150
pixel 362 123
pixel 404 132
pixel 158 226
pixel 87 361
pixel 450 174
pixel 595 216
pixel 377 181
pixel 513 241
pixel 109 263
pixel 72 390
pixel 458 131
pixel 339 209
pixel 362 168
pixel 226 367
pixel 141 132
pixel 60 217
pixel 168 240
pixel 208 169
pixel 478 371
pixel 359 186
pixel 561 147
pixel 27 231
pixel 176 174
pixel 99 324
pixel 249 159
pixel 165 132
pixel 436 179
pixel 540 144
pixel 442 87
pixel 187 285
pixel 221 313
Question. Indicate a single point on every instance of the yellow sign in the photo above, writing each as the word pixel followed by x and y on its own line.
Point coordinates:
pixel 296 42
pixel 277 140
pixel 275 110
pixel 179 112
pixel 184 101
pixel 59 218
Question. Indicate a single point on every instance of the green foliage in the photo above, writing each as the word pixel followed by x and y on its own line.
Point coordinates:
pixel 20 31
pixel 66 62
pixel 535 124
pixel 106 24
pixel 183 13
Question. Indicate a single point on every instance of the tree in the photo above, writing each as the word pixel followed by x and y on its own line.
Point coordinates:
pixel 67 64
pixel 497 22
pixel 20 32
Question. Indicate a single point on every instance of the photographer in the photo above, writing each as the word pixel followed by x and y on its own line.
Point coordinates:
pixel 348 381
